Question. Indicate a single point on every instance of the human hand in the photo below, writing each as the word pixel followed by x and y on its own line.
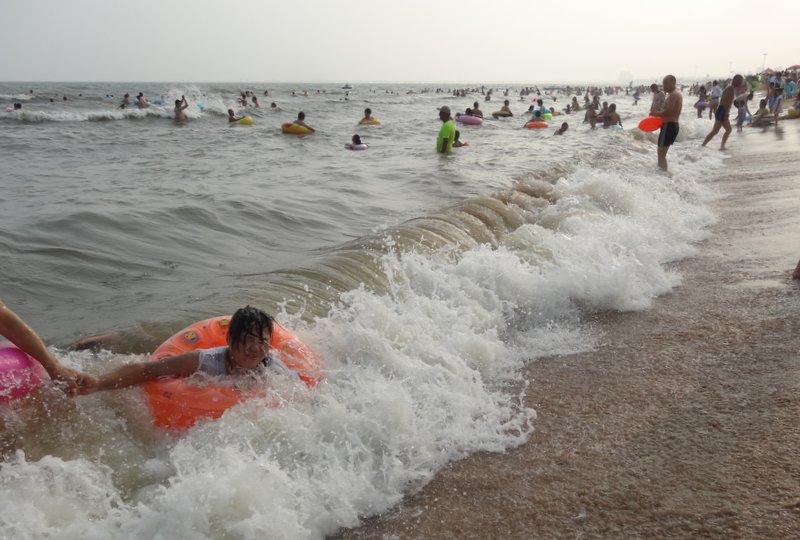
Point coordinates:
pixel 87 384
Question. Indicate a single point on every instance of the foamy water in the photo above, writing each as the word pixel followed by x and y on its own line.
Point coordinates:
pixel 463 270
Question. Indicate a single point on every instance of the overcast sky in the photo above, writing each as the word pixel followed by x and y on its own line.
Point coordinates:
pixel 384 41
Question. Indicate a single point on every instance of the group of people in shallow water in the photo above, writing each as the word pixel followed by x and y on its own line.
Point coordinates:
pixel 247 352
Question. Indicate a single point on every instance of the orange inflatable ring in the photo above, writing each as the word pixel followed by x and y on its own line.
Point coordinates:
pixel 537 125
pixel 651 123
pixel 178 403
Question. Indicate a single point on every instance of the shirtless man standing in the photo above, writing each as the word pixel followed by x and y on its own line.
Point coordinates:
pixel 721 115
pixel 180 106
pixel 658 98
pixel 671 113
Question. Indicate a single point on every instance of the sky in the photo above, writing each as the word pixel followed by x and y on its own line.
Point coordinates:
pixel 390 41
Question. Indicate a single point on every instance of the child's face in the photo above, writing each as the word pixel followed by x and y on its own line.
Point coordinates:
pixel 249 353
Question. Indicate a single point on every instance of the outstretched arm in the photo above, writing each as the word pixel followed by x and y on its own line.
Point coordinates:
pixel 24 337
pixel 136 373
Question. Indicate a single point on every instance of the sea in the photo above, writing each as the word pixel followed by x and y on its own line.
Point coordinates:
pixel 425 282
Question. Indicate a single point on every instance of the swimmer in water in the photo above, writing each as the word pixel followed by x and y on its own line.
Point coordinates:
pixel 180 106
pixel 367 117
pixel 273 106
pixel 255 101
pixel 505 109
pixel 560 131
pixel 444 142
pixel 301 121
pixel 232 117
pixel 355 141
pixel 476 111
pixel 457 143
pixel 141 102
pixel 590 116
pixel 611 118
pixel 126 102
pixel 247 352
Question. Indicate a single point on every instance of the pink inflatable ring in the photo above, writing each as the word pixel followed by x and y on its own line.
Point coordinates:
pixel 19 373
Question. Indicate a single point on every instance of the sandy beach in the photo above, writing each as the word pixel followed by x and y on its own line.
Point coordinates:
pixel 684 423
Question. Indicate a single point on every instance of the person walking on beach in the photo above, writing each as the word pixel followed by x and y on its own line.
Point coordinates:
pixel 447 133
pixel 671 113
pixel 723 110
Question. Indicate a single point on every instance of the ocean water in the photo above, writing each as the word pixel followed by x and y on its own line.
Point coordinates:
pixel 425 282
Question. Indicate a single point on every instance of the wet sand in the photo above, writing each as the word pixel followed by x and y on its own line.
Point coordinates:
pixel 686 422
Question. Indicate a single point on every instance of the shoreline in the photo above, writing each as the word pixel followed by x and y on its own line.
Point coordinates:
pixel 684 422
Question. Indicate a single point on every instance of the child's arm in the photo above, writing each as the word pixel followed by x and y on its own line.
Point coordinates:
pixel 136 373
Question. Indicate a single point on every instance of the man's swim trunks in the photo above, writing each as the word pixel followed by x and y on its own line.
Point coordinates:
pixel 722 114
pixel 669 132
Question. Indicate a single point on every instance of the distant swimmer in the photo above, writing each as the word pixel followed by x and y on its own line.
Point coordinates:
pixel 255 101
pixel 126 101
pixel 575 105
pixel 590 116
pixel 447 133
pixel 180 106
pixel 141 102
pixel 560 131
pixel 13 328
pixel 671 113
pixel 273 106
pixel 505 109
pixel 368 119
pixel 721 119
pixel 301 121
pixel 658 99
pixel 457 142
pixel 611 118
pixel 476 111
pixel 356 143
pixel 232 117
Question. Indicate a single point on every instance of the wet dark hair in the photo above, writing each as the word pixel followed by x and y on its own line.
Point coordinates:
pixel 248 320
pixel 367 111
pixel 301 115
pixel 177 102
pixel 356 139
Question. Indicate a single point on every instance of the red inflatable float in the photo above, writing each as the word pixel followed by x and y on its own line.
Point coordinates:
pixel 651 123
